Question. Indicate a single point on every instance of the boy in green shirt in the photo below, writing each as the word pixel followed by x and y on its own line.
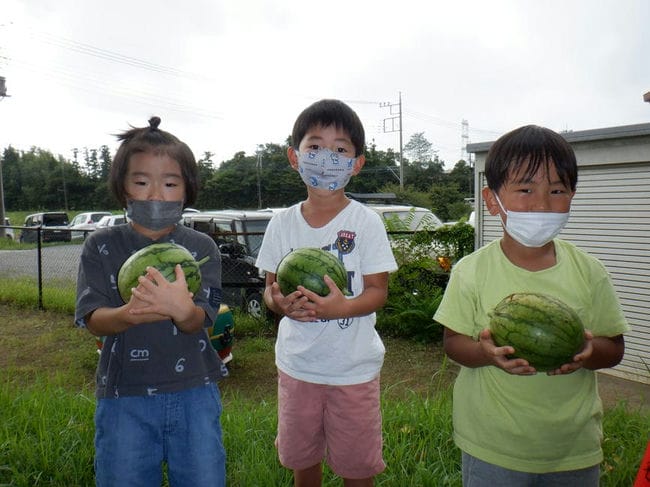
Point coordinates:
pixel 515 426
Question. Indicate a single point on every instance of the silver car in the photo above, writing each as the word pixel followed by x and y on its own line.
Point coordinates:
pixel 110 221
pixel 86 222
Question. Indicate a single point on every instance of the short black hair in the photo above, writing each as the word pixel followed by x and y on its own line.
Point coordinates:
pixel 530 146
pixel 155 141
pixel 327 113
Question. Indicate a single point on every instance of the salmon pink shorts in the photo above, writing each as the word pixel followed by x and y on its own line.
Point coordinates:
pixel 341 424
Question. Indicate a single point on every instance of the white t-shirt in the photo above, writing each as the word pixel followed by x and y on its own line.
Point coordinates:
pixel 341 351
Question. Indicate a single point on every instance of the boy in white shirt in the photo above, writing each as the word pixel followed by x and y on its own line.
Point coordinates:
pixel 328 352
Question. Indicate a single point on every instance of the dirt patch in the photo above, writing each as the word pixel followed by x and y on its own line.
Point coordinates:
pixel 615 389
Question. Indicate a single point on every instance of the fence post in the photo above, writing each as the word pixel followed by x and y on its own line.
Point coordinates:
pixel 39 267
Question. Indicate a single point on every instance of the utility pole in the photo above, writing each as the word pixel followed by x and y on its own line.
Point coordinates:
pixel 464 136
pixel 259 183
pixel 3 95
pixel 65 191
pixel 394 124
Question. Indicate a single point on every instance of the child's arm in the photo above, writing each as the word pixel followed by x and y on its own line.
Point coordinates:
pixel 472 353
pixel 151 302
pixel 607 352
pixel 336 305
pixel 598 353
pixel 290 305
pixel 305 305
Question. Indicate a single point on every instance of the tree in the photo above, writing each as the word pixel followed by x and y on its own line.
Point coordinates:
pixel 419 150
pixel 206 172
pixel 12 178
pixel 463 175
pixel 425 177
pixel 35 180
pixel 91 163
pixel 379 170
pixel 105 160
pixel 445 201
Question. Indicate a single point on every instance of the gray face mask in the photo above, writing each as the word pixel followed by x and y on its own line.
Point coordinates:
pixel 154 215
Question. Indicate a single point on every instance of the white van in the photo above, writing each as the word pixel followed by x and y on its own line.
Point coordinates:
pixel 409 218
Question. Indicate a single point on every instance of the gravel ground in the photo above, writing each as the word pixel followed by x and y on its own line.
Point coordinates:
pixel 59 262
pixel 613 389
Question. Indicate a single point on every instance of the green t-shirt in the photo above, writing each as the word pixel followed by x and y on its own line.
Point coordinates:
pixel 534 423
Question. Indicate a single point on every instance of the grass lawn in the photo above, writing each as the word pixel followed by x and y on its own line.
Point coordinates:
pixel 46 398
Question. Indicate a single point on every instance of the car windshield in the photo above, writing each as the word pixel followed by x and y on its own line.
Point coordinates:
pixel 416 220
pixel 95 217
pixel 255 241
pixel 55 220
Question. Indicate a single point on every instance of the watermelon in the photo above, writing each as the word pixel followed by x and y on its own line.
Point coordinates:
pixel 164 257
pixel 542 329
pixel 306 267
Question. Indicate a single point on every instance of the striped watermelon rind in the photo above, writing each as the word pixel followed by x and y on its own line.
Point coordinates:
pixel 164 257
pixel 542 329
pixel 306 267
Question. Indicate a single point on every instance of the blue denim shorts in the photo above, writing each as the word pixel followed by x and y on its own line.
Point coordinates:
pixel 477 473
pixel 135 435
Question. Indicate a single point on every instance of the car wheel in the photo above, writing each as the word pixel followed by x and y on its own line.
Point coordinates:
pixel 255 305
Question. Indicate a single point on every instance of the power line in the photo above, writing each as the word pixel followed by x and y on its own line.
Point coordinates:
pixel 93 84
pixel 447 123
pixel 113 56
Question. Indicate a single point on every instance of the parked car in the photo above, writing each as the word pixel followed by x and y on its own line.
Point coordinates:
pixel 399 217
pixel 404 218
pixel 86 222
pixel 9 232
pixel 411 218
pixel 110 221
pixel 472 219
pixel 53 226
pixel 238 234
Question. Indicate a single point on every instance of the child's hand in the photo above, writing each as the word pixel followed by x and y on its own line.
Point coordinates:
pixel 157 298
pixel 326 307
pixel 498 356
pixel 292 305
pixel 578 359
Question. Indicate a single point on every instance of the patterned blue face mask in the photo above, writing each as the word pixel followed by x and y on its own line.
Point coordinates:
pixel 325 169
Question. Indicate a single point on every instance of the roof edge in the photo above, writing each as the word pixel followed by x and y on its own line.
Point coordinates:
pixel 622 131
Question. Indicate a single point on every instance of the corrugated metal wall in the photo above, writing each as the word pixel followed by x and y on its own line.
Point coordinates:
pixel 610 219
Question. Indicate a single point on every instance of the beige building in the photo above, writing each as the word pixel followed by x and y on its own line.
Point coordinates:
pixel 610 219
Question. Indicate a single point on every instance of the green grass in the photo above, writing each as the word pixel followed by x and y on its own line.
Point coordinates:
pixel 47 405
pixel 47 433
pixel 59 295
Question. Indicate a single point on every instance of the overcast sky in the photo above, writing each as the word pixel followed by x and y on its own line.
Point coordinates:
pixel 227 75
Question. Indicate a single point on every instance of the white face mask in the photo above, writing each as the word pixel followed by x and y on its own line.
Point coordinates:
pixel 533 228
pixel 325 169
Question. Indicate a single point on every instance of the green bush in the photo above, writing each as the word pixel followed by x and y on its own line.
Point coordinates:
pixel 415 290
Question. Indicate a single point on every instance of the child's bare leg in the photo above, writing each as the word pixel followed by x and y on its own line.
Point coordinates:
pixel 369 482
pixel 308 477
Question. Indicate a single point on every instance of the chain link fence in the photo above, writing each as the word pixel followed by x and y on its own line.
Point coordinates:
pixel 49 271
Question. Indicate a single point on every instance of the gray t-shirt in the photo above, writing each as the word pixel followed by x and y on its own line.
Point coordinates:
pixel 155 357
